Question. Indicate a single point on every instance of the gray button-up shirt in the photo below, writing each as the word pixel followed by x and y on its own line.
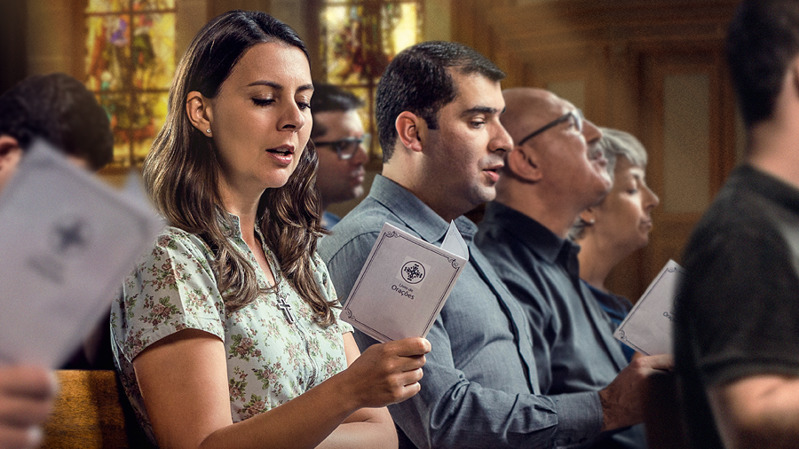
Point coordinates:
pixel 480 386
pixel 573 337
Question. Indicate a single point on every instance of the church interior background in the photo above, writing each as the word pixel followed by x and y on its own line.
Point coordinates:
pixel 654 68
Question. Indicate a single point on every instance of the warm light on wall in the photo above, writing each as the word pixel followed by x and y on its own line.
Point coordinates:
pixel 130 61
pixel 359 38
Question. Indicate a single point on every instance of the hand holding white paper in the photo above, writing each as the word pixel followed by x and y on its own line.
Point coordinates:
pixel 647 328
pixel 68 239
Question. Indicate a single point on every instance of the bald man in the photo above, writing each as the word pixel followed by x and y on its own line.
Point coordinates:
pixel 554 171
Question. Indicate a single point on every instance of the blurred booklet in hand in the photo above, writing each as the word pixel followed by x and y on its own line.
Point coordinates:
pixel 68 240
pixel 404 283
pixel 647 328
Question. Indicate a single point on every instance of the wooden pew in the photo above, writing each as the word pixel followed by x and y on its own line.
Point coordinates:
pixel 91 411
pixel 663 416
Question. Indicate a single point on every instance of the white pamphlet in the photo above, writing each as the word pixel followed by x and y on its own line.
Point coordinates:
pixel 404 283
pixel 68 240
pixel 647 328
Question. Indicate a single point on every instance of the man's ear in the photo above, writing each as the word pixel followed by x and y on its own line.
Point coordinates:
pixel 198 109
pixel 522 162
pixel 588 215
pixel 411 130
pixel 10 152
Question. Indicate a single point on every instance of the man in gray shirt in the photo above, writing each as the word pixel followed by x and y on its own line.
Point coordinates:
pixel 554 171
pixel 438 109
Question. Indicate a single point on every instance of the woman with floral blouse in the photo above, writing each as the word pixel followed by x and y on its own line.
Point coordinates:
pixel 225 334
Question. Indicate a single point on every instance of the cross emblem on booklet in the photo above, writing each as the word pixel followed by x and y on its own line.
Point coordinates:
pixel 404 283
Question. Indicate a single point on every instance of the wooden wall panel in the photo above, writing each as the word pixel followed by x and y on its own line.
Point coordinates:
pixel 615 53
pixel 626 60
pixel 13 43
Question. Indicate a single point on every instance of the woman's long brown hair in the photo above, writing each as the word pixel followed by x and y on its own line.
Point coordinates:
pixel 181 172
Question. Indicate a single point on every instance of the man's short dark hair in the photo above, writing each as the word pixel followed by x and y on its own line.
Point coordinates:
pixel 762 41
pixel 417 81
pixel 60 109
pixel 326 98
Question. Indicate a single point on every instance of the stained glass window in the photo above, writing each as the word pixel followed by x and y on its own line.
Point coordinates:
pixel 130 61
pixel 359 39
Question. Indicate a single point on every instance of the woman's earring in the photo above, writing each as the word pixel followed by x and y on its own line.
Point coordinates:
pixel 592 221
pixel 208 130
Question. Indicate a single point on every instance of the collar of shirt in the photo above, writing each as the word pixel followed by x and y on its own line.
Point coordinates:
pixel 416 214
pixel 231 225
pixel 767 186
pixel 543 242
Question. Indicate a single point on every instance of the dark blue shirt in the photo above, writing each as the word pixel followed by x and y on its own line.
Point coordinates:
pixel 617 307
pixel 573 337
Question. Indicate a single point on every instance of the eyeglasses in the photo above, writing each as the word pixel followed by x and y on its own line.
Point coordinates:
pixel 346 148
pixel 575 115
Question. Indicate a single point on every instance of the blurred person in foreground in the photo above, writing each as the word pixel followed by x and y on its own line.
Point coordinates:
pixel 737 312
pixel 59 109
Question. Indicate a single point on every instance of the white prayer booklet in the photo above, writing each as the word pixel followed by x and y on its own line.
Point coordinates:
pixel 68 240
pixel 404 283
pixel 647 328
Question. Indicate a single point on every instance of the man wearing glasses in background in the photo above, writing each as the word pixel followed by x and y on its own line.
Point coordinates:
pixel 555 171
pixel 341 145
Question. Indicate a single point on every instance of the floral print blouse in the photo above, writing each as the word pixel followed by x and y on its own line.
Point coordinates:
pixel 269 360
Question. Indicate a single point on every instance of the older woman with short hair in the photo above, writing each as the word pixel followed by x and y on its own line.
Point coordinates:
pixel 620 224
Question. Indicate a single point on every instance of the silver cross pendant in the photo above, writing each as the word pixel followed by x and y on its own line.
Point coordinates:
pixel 286 308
